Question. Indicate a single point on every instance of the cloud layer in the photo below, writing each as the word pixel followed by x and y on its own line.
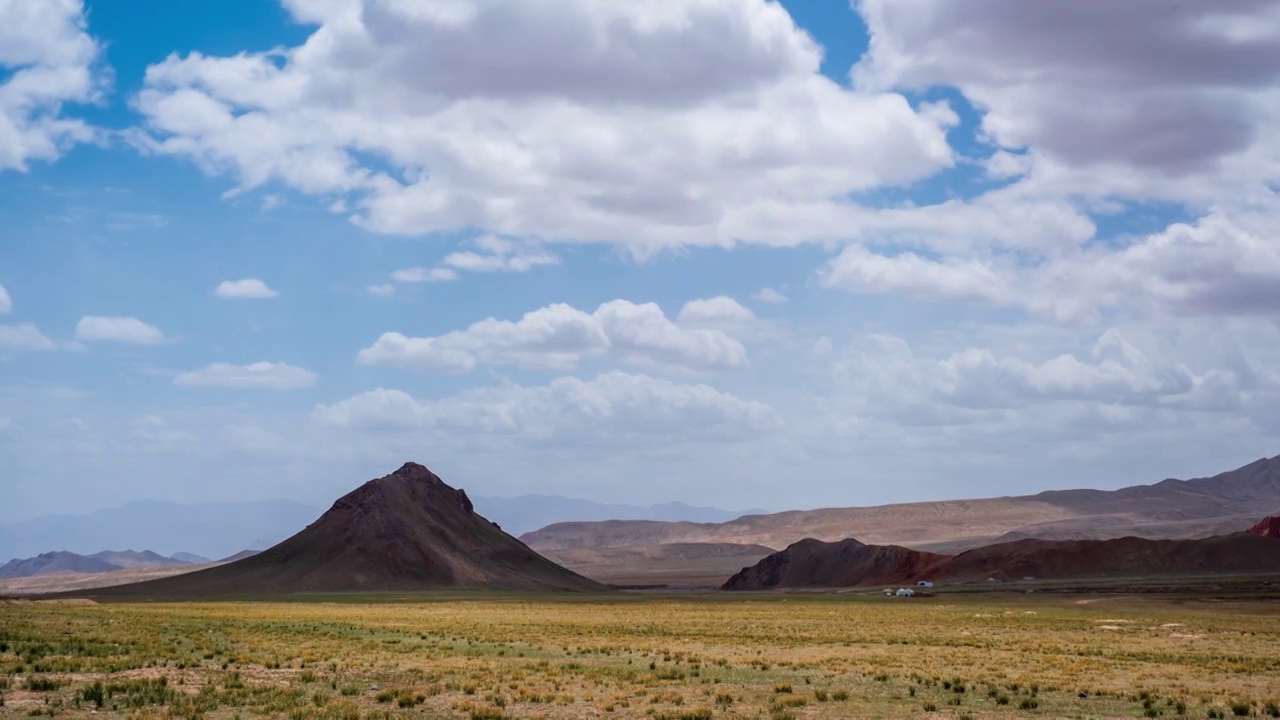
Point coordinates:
pixel 559 337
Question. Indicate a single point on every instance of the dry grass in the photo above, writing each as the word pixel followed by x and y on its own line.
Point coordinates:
pixel 768 657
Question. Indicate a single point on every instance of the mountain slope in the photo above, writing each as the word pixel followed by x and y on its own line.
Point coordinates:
pixel 406 531
pixel 529 512
pixel 815 564
pixel 848 563
pixel 1170 509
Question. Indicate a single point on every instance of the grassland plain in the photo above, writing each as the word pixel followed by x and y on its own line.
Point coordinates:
pixel 689 657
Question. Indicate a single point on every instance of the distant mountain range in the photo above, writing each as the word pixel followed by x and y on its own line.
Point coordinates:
pixel 217 530
pixel 61 561
pixel 1171 509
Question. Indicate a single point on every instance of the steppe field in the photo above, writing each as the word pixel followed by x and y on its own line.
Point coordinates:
pixel 636 656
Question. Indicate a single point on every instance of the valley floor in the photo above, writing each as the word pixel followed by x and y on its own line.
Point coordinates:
pixel 631 656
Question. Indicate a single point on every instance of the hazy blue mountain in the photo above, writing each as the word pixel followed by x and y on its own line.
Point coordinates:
pixel 519 515
pixel 190 558
pixel 53 562
pixel 208 529
pixel 217 530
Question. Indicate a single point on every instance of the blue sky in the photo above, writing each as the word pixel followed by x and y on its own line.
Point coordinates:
pixel 729 252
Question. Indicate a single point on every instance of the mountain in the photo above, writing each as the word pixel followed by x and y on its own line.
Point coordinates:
pixel 216 530
pixel 406 531
pixel 523 514
pixel 99 562
pixel 53 562
pixel 849 563
pixel 1170 509
pixel 126 559
pixel 209 530
pixel 1267 527
pixel 678 565
pixel 190 559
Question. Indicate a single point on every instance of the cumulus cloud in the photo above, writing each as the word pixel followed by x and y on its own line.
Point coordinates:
pixel 118 329
pixel 510 117
pixel 25 336
pixel 614 405
pixel 6 303
pixel 249 288
pixel 1172 88
pixel 47 59
pixel 859 270
pixel 560 336
pixel 1114 372
pixel 260 375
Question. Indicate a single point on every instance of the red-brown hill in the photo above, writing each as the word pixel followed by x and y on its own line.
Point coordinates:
pixel 812 564
pixel 1130 557
pixel 404 532
pixel 1268 527
pixel 847 563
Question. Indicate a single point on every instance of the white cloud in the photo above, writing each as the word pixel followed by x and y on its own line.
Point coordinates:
pixel 421 275
pixel 559 337
pixel 720 312
pixel 717 105
pixel 499 255
pixel 1218 265
pixel 261 375
pixel 894 380
pixel 118 329
pixel 1106 99
pixel 859 270
pixel 770 295
pixel 244 289
pixel 46 60
pixel 385 290
pixel 24 337
pixel 6 303
pixel 613 404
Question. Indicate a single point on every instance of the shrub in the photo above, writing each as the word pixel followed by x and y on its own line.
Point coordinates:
pixel 1241 709
pixel 95 693
pixel 840 695
pixel 1271 709
pixel 42 684
pixel 1029 704
pixel 821 695
pixel 930 707
pixel 781 689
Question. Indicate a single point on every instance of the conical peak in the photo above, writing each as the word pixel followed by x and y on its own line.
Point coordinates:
pixel 415 471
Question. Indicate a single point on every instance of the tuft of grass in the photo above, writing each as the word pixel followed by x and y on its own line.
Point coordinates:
pixel 782 689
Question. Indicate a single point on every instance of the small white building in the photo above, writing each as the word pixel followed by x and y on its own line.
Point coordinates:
pixel 924 583
pixel 905 592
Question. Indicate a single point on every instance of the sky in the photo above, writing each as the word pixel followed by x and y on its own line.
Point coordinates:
pixel 731 252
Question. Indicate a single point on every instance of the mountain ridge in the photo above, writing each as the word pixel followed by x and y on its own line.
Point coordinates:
pixel 1169 509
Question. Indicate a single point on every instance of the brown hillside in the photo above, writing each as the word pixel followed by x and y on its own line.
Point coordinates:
pixel 406 531
pixel 1268 527
pixel 810 563
pixel 848 563
pixel 1170 509
pixel 1237 554
pixel 678 565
